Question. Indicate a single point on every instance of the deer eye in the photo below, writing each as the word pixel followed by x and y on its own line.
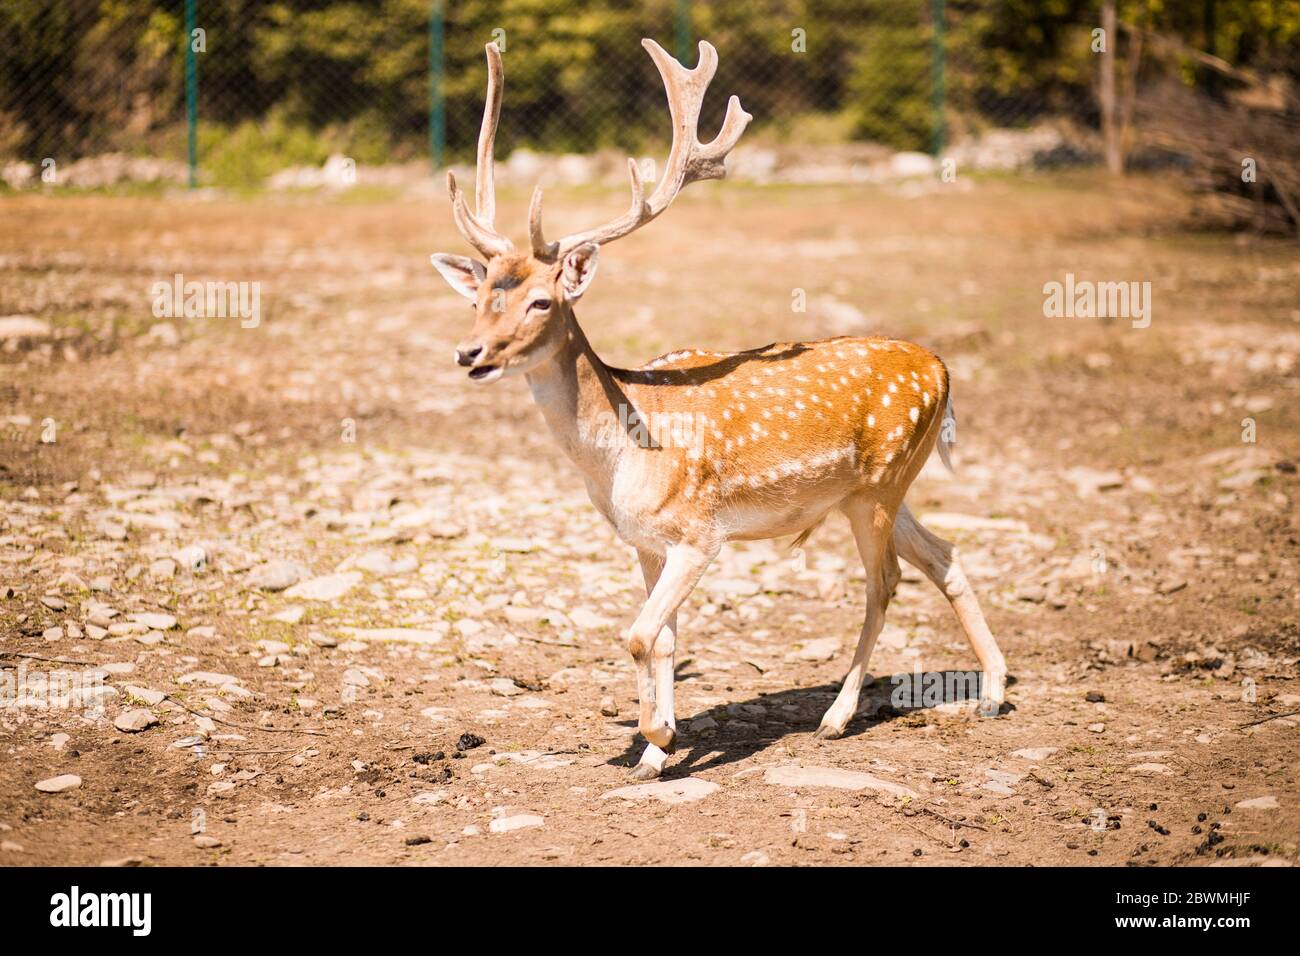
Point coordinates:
pixel 539 304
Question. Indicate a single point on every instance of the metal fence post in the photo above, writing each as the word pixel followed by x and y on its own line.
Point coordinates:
pixel 437 104
pixel 682 30
pixel 191 92
pixel 937 56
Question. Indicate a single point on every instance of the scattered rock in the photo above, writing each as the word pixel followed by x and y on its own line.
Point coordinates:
pixel 685 790
pixel 1258 803
pixel 1036 754
pixel 817 650
pixel 520 821
pixel 154 622
pixel 191 558
pixel 23 327
pixel 134 721
pixel 608 707
pixel 1150 770
pixel 330 587
pixel 59 784
pixel 792 775
pixel 276 575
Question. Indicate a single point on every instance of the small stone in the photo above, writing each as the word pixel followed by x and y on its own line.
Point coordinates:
pixel 1095 697
pixel 290 615
pixel 276 575
pixel 1258 803
pixel 1035 754
pixel 819 649
pixel 588 620
pixel 331 587
pixel 163 569
pixel 59 784
pixel 684 790
pixel 205 842
pixel 796 776
pixel 512 545
pixel 154 622
pixel 134 721
pixel 191 558
pixel 609 707
pixel 1150 769
pixel 151 697
pixel 1096 728
pixel 520 821
pixel 54 602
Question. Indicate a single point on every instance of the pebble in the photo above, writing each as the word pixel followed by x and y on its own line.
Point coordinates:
pixel 191 558
pixel 609 707
pixel 1258 803
pixel 276 575
pixel 819 649
pixel 520 821
pixel 331 587
pixel 59 784
pixel 792 775
pixel 290 615
pixel 205 842
pixel 684 790
pixel 1035 754
pixel 154 622
pixel 134 721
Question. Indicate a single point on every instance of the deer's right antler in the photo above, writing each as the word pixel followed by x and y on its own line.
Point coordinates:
pixel 689 160
pixel 478 229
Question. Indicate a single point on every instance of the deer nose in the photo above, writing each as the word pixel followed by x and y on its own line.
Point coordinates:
pixel 467 355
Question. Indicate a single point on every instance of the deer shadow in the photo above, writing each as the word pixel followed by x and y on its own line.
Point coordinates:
pixel 744 728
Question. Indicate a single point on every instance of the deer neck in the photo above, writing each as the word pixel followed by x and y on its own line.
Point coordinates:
pixel 580 401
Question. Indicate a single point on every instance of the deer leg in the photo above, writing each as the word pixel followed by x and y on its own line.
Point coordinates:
pixel 651 641
pixel 871 529
pixel 937 559
pixel 663 668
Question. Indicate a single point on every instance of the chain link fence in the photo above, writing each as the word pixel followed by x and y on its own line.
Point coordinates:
pixel 246 93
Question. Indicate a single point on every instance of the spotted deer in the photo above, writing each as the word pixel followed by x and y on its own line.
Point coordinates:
pixel 698 448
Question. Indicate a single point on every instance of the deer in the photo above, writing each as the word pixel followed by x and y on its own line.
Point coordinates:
pixel 698 448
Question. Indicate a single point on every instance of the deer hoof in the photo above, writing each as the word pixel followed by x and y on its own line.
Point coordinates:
pixel 827 732
pixel 644 771
pixel 989 707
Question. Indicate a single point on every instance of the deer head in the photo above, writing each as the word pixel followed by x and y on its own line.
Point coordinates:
pixel 523 302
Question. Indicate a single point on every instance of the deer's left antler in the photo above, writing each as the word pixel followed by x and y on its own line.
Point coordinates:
pixel 689 160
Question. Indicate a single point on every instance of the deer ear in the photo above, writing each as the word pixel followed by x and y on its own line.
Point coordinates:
pixel 462 273
pixel 578 271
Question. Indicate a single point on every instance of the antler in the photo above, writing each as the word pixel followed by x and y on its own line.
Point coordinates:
pixel 689 160
pixel 478 229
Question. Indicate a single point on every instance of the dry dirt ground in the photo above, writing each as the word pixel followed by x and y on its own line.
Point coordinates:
pixel 1135 556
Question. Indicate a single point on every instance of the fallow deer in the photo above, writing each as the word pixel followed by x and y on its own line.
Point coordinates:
pixel 776 437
